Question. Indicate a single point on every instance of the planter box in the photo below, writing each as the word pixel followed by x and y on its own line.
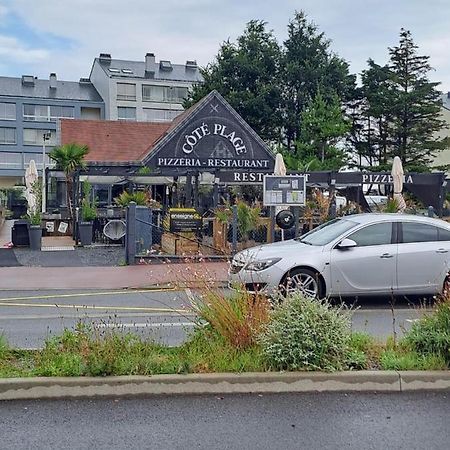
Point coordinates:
pixel 35 233
pixel 85 233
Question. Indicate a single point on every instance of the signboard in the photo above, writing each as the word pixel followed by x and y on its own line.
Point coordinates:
pixel 184 220
pixel 289 190
pixel 212 136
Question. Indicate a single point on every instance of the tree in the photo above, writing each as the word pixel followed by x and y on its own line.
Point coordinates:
pixel 246 74
pixel 307 66
pixel 398 111
pixel 416 112
pixel 323 125
pixel 69 158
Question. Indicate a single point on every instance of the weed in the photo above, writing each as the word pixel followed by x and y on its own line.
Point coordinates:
pixel 408 360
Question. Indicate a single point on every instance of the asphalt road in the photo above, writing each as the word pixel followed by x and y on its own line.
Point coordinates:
pixel 28 318
pixel 273 421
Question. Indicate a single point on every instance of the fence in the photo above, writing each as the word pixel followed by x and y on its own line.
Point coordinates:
pixel 148 235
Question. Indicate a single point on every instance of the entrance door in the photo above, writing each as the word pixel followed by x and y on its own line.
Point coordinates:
pixel 370 267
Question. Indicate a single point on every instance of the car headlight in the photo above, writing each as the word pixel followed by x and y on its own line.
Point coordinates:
pixel 261 264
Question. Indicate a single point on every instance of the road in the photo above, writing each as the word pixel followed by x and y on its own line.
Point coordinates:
pixel 27 318
pixel 271 421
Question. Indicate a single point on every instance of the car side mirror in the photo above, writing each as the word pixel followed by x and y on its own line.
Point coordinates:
pixel 346 244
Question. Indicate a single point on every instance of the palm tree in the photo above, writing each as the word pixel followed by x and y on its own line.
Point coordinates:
pixel 69 158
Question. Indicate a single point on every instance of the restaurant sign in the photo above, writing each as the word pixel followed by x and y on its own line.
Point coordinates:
pixel 212 136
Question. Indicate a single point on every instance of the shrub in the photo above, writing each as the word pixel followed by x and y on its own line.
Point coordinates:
pixel 238 319
pixel 431 334
pixel 305 334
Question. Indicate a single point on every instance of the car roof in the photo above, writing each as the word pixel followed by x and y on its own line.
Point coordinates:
pixel 382 217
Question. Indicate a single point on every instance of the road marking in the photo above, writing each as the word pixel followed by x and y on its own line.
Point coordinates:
pixel 82 315
pixel 411 320
pixel 145 325
pixel 87 294
pixel 88 307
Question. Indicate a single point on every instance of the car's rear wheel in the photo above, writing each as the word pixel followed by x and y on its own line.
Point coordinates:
pixel 303 281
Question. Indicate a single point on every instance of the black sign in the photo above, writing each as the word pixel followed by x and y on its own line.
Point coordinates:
pixel 184 220
pixel 285 219
pixel 212 136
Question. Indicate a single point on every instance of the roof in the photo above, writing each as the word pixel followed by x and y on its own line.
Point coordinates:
pixel 113 141
pixel 65 90
pixel 179 72
pixel 378 217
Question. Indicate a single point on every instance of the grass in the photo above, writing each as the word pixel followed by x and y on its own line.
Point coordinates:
pixel 228 339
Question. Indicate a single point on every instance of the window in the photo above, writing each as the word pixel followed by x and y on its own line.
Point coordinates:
pixel 37 157
pixel 419 232
pixel 170 94
pixel 377 234
pixel 160 115
pixel 128 71
pixel 126 113
pixel 7 111
pixel 327 232
pixel 47 113
pixel 114 70
pixel 7 135
pixel 444 235
pixel 35 136
pixel 126 91
pixel 10 160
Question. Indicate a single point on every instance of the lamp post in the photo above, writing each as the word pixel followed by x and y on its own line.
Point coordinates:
pixel 45 137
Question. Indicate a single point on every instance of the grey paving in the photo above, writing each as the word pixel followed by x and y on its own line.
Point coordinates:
pixel 276 421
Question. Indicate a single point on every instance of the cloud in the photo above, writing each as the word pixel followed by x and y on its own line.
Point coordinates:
pixel 74 32
pixel 14 50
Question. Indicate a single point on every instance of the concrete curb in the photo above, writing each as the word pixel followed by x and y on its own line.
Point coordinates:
pixel 222 383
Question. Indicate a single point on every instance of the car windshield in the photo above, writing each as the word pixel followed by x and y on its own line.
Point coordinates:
pixel 327 232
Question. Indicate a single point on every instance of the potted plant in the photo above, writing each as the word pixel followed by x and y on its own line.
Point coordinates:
pixel 88 214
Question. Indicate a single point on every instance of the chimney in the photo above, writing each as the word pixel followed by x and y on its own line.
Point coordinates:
pixel 191 64
pixel 150 62
pixel 105 58
pixel 52 81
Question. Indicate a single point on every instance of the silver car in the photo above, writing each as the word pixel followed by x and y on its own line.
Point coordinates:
pixel 365 254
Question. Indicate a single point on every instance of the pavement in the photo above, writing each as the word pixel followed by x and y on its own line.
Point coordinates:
pixel 122 277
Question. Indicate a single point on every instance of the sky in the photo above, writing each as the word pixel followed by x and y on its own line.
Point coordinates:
pixel 38 37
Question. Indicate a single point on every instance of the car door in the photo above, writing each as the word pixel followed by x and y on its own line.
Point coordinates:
pixel 368 268
pixel 423 259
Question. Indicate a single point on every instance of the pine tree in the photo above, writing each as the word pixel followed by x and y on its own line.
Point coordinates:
pixel 416 113
pixel 246 74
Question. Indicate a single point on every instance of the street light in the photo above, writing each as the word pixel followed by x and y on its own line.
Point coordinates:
pixel 45 137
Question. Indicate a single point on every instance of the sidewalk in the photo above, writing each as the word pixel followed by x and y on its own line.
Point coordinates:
pixel 140 276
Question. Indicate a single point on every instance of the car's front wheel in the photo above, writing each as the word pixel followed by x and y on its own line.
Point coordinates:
pixel 303 281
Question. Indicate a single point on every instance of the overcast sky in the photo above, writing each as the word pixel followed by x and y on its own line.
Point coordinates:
pixel 63 36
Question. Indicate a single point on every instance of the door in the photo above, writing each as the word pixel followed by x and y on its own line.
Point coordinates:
pixel 423 258
pixel 368 268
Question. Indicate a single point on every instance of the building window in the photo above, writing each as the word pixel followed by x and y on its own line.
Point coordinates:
pixel 47 113
pixel 34 136
pixel 126 91
pixel 10 160
pixel 37 157
pixel 126 113
pixel 160 115
pixel 7 135
pixel 7 111
pixel 171 94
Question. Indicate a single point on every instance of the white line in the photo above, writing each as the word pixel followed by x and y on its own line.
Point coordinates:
pixel 145 325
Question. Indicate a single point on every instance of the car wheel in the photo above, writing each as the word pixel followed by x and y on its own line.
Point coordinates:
pixel 305 282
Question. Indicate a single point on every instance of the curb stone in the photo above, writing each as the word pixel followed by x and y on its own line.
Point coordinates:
pixel 221 383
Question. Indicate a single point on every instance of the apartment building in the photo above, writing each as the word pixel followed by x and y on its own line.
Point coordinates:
pixel 143 91
pixel 29 113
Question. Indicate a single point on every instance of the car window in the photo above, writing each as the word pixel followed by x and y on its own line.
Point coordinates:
pixel 443 234
pixel 376 234
pixel 419 232
pixel 327 232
